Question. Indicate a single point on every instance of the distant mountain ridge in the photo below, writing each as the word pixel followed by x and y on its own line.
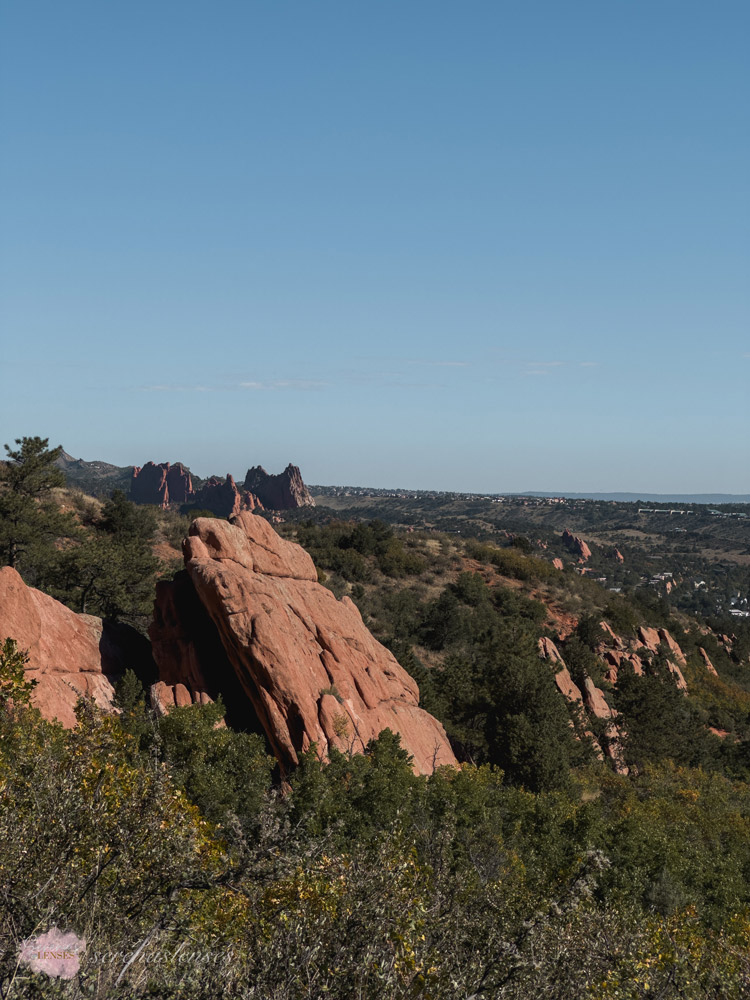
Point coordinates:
pixel 98 479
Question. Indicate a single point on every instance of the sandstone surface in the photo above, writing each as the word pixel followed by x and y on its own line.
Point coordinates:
pixel 70 655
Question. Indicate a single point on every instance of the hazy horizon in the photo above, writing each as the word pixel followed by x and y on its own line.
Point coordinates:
pixel 495 248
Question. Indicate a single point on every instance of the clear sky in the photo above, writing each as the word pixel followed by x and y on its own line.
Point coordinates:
pixel 481 245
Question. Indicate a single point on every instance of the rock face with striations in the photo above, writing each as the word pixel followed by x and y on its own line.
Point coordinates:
pixel 282 492
pixel 70 655
pixel 308 668
pixel 161 484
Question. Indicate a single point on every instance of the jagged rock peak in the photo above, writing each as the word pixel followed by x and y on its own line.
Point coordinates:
pixel 284 491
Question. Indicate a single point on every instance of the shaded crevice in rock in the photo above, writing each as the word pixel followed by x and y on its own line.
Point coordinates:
pixel 188 650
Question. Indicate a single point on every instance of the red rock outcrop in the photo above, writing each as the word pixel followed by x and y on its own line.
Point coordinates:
pixel 558 563
pixel 167 484
pixel 222 497
pixel 592 699
pixel 649 637
pixel 284 491
pixel 674 649
pixel 161 484
pixel 305 661
pixel 614 658
pixel 70 655
pixel 611 636
pixel 576 545
pixel 565 684
pixel 707 661
pixel 619 556
pixel 652 639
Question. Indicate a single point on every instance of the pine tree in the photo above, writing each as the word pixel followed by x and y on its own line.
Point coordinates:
pixel 28 517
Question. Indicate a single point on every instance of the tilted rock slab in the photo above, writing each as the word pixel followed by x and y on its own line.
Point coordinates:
pixel 312 670
pixel 592 698
pixel 577 545
pixel 707 661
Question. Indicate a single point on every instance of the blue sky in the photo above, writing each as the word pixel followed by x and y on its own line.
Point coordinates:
pixel 486 246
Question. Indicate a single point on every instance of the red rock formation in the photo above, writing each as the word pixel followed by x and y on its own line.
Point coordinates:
pixel 619 556
pixel 223 498
pixel 652 639
pixel 614 658
pixel 674 649
pixel 165 697
pixel 282 492
pixel 595 702
pixel 306 662
pixel 161 484
pixel 565 685
pixel 592 699
pixel 558 564
pixel 577 545
pixel 612 636
pixel 707 661
pixel 649 637
pixel 70 655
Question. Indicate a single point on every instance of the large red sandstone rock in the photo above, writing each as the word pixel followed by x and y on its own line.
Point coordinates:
pixel 577 545
pixel 70 655
pixel 193 666
pixel 558 563
pixel 282 492
pixel 306 662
